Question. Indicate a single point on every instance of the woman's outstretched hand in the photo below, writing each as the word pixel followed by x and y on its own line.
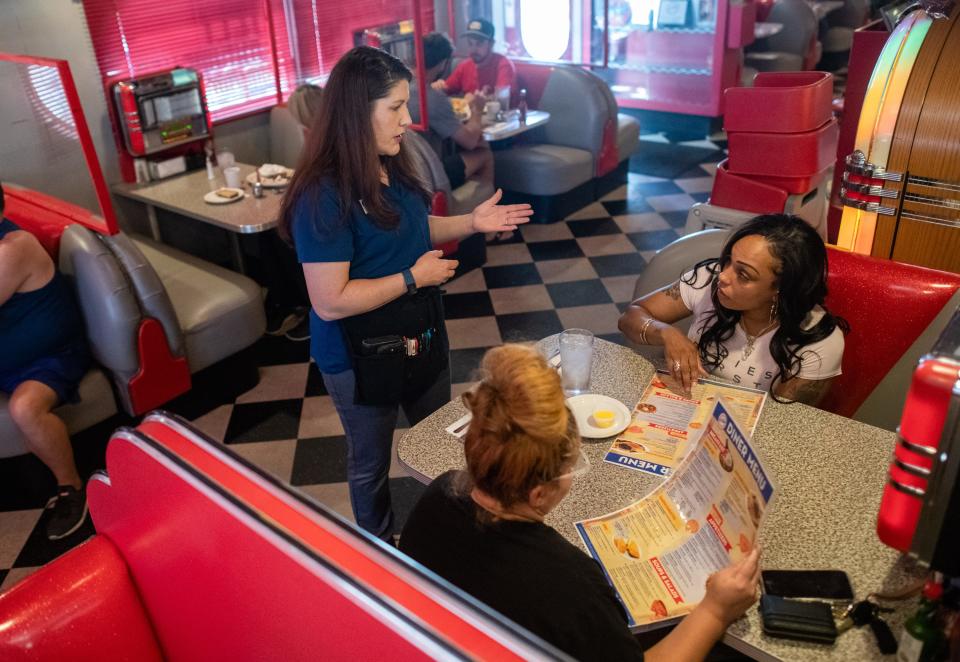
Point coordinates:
pixel 432 269
pixel 491 217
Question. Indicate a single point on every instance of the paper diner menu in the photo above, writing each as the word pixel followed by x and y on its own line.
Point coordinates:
pixel 665 419
pixel 658 552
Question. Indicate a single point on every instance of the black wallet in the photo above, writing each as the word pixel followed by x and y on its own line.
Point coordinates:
pixel 793 619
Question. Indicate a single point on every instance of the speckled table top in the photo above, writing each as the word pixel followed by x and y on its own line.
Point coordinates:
pixel 830 471
pixel 183 194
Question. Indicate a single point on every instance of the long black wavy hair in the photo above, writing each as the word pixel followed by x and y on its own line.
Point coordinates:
pixel 801 280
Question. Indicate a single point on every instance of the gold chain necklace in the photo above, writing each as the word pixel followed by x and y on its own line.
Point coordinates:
pixel 751 340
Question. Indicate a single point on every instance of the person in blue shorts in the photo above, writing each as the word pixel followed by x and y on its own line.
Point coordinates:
pixel 43 357
pixel 358 215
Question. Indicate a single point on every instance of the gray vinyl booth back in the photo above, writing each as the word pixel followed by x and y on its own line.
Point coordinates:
pixel 578 110
pixel 562 154
pixel 111 318
pixel 785 51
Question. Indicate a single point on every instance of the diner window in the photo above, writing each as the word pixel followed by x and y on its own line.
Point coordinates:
pixel 540 30
pixel 227 41
pixel 545 28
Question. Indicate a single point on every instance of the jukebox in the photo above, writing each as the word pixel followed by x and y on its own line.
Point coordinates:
pixel 901 184
pixel 162 110
pixel 920 510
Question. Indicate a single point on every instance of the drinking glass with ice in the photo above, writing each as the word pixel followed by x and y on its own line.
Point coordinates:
pixel 576 355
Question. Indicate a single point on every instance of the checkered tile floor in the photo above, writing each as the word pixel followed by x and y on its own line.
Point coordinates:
pixel 576 273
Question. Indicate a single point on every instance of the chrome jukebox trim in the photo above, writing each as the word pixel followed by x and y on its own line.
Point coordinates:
pixel 874 207
pixel 929 451
pixel 913 469
pixel 906 489
pixel 868 189
pixel 857 164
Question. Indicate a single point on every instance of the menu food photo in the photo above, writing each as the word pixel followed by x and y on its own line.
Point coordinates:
pixel 658 552
pixel 666 419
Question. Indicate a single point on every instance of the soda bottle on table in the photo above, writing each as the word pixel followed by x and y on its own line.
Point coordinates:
pixel 522 106
pixel 922 639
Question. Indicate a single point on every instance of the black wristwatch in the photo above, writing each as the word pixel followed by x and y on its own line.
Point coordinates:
pixel 409 281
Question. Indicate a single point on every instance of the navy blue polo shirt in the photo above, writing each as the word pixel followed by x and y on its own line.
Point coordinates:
pixel 320 236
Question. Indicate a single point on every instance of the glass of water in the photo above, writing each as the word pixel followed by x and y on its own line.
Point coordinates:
pixel 576 355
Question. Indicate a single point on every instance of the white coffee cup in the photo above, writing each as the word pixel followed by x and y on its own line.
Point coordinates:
pixel 490 110
pixel 231 175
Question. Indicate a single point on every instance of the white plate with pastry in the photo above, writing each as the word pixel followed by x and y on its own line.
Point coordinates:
pixel 224 196
pixel 599 416
pixel 271 176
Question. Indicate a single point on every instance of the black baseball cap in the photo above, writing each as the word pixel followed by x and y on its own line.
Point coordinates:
pixel 479 27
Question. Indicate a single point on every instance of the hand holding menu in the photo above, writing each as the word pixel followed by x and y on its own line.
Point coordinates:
pixel 658 552
pixel 666 419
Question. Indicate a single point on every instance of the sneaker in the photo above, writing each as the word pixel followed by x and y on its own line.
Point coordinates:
pixel 300 332
pixel 282 322
pixel 68 511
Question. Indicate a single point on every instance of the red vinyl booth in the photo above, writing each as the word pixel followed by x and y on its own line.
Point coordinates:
pixel 201 556
pixel 889 306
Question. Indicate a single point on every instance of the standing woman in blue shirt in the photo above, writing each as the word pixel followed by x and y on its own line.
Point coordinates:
pixel 358 215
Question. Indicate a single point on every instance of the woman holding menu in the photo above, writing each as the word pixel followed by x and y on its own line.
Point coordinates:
pixel 758 315
pixel 483 529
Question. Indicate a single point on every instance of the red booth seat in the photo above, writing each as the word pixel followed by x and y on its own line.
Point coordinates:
pixel 216 560
pixel 892 309
pixel 82 606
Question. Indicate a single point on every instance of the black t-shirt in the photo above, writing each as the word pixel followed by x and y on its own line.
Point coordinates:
pixel 525 570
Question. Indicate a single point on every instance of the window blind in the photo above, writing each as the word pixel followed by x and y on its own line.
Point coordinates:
pixel 227 41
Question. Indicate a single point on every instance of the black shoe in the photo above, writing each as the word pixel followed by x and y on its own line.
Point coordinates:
pixel 68 512
pixel 300 332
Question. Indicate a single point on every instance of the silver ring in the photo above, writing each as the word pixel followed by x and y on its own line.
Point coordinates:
pixel 676 366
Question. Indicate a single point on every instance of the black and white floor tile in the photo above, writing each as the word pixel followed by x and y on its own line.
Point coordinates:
pixel 576 273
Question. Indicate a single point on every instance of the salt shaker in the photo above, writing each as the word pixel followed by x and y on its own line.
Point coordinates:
pixel 257 189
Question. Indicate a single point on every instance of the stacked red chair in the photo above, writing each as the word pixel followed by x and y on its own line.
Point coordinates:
pixel 782 139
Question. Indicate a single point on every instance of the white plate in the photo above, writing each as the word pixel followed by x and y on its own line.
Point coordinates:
pixel 271 182
pixel 215 199
pixel 583 407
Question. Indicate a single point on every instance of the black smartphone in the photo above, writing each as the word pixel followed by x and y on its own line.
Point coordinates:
pixel 381 345
pixel 831 585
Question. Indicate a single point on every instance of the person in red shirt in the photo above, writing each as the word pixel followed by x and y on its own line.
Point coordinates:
pixel 485 72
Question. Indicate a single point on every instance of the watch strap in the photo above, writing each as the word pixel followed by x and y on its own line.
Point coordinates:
pixel 409 281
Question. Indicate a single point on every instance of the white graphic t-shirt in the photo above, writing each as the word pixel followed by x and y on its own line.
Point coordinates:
pixel 819 360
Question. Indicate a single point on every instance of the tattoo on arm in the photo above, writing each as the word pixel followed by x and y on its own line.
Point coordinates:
pixel 673 291
pixel 809 392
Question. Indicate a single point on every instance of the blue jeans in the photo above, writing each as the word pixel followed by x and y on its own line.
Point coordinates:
pixel 369 431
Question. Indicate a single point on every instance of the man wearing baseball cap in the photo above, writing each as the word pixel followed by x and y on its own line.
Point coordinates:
pixel 485 72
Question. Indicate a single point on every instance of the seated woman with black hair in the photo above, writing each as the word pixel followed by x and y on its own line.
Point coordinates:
pixel 758 315
pixel 483 529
